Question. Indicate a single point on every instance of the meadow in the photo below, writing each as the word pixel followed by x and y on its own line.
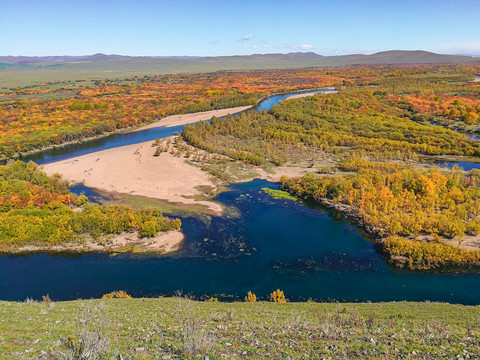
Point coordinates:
pixel 180 328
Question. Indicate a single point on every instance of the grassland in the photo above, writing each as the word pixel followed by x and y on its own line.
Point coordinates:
pixel 171 328
pixel 90 69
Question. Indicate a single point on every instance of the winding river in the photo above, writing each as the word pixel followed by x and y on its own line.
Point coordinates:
pixel 306 251
pixel 119 139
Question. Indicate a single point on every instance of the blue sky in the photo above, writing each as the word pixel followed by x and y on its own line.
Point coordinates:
pixel 232 27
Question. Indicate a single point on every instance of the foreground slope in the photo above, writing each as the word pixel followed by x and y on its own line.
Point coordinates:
pixel 178 328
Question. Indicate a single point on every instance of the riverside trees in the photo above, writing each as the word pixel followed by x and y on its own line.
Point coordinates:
pixel 368 132
pixel 32 119
pixel 411 210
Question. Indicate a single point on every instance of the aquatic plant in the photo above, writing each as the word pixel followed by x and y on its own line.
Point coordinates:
pixel 279 194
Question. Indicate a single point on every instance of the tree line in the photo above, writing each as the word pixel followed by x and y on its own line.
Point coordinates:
pixel 36 209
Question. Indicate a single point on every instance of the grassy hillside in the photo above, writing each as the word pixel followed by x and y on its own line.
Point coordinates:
pixel 169 328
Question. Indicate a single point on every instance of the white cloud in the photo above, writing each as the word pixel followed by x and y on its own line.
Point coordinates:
pixel 464 48
pixel 247 37
pixel 305 47
pixel 347 51
pixel 284 47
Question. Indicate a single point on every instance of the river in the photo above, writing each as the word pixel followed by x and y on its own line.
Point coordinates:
pixel 304 250
pixel 307 252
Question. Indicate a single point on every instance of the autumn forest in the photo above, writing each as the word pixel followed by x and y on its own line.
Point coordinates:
pixel 372 151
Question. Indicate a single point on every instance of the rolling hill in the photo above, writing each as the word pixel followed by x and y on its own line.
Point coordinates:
pixel 24 70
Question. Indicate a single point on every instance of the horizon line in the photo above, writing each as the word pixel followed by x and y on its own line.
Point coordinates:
pixel 251 54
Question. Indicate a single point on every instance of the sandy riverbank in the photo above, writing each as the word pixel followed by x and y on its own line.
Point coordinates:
pixel 183 119
pixel 310 94
pixel 163 242
pixel 134 170
pixel 169 121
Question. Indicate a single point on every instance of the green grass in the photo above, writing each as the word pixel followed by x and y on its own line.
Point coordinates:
pixel 180 328
pixel 166 207
pixel 280 194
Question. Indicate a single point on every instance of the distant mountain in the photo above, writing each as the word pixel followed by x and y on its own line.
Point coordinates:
pixel 64 58
pixel 400 57
pixel 384 57
pixel 313 59
pixel 36 59
pixel 305 54
pixel 176 57
pixel 103 57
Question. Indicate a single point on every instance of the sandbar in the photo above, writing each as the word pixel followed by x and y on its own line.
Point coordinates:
pixel 133 169
pixel 310 94
pixel 183 119
pixel 163 242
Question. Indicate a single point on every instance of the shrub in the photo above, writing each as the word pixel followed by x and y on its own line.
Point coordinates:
pixel 251 297
pixel 90 342
pixel 48 302
pixel 148 228
pixel 117 294
pixel 82 199
pixel 197 339
pixel 278 297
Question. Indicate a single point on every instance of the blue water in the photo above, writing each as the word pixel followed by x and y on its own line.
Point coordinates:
pixel 307 252
pixel 303 251
pixel 465 165
pixel 273 100
pixel 92 195
pixel 108 142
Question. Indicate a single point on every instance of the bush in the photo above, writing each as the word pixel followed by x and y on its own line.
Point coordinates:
pixel 90 342
pixel 117 294
pixel 148 228
pixel 251 297
pixel 82 199
pixel 278 297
